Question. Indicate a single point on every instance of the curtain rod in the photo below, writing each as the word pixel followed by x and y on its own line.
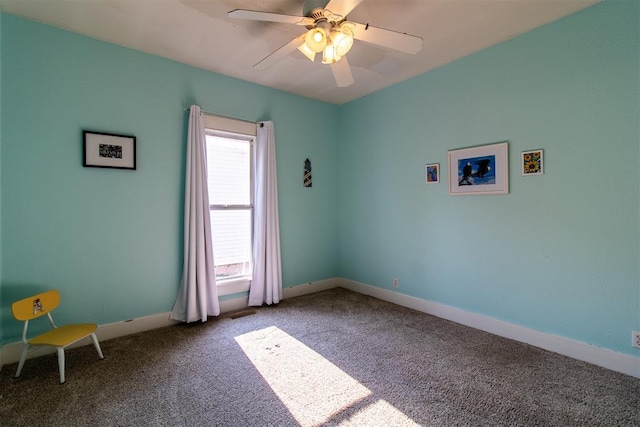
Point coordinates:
pixel 225 117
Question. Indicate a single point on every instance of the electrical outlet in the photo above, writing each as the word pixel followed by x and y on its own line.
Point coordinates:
pixel 635 339
pixel 395 283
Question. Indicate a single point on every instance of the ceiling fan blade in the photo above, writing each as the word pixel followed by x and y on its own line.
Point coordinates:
pixel 342 7
pixel 280 53
pixel 386 38
pixel 342 72
pixel 270 17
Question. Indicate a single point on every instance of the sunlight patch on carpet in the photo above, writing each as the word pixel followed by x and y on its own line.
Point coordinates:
pixel 314 390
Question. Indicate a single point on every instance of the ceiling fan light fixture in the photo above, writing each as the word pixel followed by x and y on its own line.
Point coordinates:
pixel 307 52
pixel 329 55
pixel 342 40
pixel 316 39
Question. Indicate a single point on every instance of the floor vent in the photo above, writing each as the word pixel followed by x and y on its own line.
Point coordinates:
pixel 242 314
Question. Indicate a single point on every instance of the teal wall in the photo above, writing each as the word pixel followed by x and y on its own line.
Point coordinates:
pixel 1 304
pixel 111 240
pixel 560 252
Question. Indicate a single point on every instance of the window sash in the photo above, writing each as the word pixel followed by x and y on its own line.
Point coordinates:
pixel 230 207
pixel 230 172
pixel 232 242
pixel 245 275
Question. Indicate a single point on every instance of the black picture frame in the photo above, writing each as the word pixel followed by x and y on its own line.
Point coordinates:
pixel 108 150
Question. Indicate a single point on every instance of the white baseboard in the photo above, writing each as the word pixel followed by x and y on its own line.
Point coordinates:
pixel 578 350
pixel 10 353
pixel 227 306
pixel 311 287
pixel 599 356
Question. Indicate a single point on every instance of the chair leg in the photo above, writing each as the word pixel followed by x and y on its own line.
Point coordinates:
pixel 96 344
pixel 61 363
pixel 23 357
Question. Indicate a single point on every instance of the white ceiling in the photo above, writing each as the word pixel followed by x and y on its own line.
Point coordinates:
pixel 198 33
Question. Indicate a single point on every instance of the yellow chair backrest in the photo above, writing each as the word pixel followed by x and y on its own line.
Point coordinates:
pixel 36 306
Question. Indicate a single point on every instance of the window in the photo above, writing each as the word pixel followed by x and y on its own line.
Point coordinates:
pixel 230 203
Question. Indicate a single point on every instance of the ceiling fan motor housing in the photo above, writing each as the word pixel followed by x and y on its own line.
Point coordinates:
pixel 314 8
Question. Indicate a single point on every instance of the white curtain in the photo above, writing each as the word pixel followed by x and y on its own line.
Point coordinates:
pixel 266 285
pixel 198 295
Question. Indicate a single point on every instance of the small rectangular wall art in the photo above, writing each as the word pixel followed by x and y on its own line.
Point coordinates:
pixel 432 172
pixel 107 150
pixel 532 162
pixel 306 180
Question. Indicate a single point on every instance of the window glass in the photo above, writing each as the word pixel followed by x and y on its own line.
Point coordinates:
pixel 229 171
pixel 229 182
pixel 231 234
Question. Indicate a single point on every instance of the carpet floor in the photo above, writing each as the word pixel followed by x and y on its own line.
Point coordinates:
pixel 335 358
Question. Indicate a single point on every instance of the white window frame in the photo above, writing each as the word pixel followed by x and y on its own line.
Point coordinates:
pixel 246 131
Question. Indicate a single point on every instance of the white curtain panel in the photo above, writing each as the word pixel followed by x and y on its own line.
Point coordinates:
pixel 266 285
pixel 198 295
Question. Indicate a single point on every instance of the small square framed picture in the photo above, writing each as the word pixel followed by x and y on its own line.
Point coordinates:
pixel 432 172
pixel 532 162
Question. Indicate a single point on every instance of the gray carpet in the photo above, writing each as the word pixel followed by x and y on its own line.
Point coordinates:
pixel 331 358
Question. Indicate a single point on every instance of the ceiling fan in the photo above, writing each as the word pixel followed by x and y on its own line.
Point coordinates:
pixel 329 32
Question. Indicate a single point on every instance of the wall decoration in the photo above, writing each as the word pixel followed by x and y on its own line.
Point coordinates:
pixel 532 162
pixel 432 171
pixel 106 150
pixel 307 174
pixel 479 170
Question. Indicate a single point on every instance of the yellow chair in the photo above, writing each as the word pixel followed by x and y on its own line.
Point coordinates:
pixel 58 337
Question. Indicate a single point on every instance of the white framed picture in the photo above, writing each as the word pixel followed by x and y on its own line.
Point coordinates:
pixel 532 162
pixel 479 170
pixel 432 173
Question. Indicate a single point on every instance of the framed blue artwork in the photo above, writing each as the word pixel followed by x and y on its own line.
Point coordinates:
pixel 479 170
pixel 432 172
